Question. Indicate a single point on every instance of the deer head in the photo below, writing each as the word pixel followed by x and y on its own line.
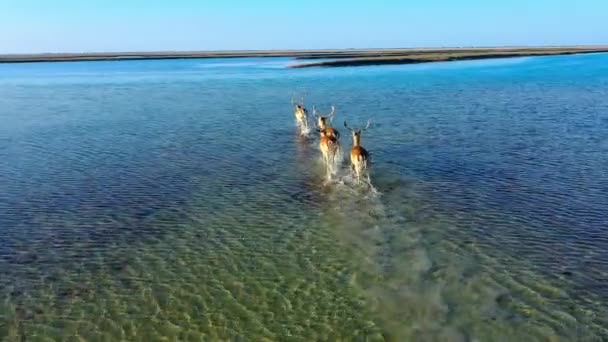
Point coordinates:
pixel 324 120
pixel 356 132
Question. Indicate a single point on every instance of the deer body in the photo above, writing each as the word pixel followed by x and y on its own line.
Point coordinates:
pixel 329 147
pixel 322 123
pixel 359 157
pixel 301 115
pixel 328 142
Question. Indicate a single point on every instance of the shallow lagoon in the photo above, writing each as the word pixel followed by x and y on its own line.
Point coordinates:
pixel 149 199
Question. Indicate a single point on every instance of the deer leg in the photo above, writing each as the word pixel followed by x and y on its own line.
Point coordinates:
pixel 333 161
pixel 357 172
pixel 363 168
pixel 326 163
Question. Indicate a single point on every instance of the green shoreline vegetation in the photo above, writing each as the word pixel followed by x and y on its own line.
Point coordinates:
pixel 337 58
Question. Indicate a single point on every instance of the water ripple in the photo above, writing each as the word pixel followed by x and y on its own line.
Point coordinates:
pixel 166 200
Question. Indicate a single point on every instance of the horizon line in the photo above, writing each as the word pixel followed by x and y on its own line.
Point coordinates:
pixel 320 50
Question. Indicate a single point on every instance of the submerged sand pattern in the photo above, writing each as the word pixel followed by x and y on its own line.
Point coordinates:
pixel 129 213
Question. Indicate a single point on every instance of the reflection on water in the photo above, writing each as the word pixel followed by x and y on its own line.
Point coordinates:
pixel 149 199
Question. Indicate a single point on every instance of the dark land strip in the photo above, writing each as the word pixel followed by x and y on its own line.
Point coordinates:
pixel 332 58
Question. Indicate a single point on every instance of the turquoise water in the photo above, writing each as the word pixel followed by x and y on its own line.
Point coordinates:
pixel 151 200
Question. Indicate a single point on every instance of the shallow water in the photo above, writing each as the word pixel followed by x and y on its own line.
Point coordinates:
pixel 149 199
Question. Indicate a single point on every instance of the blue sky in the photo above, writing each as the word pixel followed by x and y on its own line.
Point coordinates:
pixel 137 25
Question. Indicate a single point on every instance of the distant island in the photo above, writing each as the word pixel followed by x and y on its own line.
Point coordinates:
pixel 330 58
pixel 415 56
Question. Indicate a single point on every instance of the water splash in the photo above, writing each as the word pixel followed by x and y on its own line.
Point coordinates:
pixel 304 130
pixel 339 173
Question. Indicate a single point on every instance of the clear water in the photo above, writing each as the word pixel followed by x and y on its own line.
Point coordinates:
pixel 142 200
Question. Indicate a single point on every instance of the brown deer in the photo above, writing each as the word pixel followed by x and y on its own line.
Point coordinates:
pixel 328 142
pixel 323 123
pixel 301 114
pixel 359 157
pixel 330 148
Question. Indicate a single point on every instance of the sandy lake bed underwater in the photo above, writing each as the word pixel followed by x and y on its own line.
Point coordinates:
pixel 173 199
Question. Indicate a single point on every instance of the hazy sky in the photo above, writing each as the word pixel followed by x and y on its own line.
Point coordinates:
pixel 148 25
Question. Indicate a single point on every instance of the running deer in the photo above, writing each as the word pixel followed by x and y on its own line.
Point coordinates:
pixel 301 114
pixel 330 148
pixel 359 157
pixel 328 144
pixel 323 123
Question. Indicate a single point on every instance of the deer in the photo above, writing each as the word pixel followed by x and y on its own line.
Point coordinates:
pixel 328 142
pixel 301 114
pixel 322 123
pixel 330 147
pixel 359 157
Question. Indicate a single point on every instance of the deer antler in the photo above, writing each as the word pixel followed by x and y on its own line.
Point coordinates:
pixel 345 125
pixel 293 101
pixel 314 111
pixel 331 115
pixel 369 122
